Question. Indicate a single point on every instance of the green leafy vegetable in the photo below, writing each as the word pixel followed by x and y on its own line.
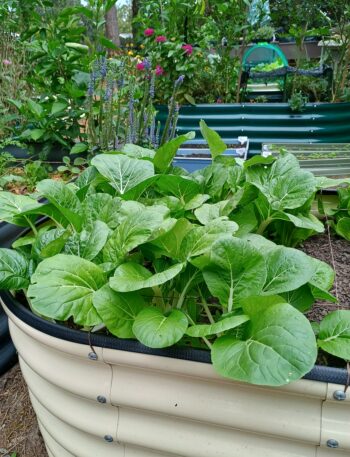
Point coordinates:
pixel 156 330
pixel 62 286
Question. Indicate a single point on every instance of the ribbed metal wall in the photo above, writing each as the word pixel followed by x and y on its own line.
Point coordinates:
pixel 155 406
pixel 269 122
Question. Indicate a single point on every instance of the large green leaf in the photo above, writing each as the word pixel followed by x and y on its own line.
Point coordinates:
pixel 215 143
pixel 246 219
pixel 208 212
pixel 323 276
pixel 334 335
pixel 287 269
pixel 124 173
pixel 196 201
pixel 200 238
pixel 302 298
pixel 322 280
pixel 63 286
pixel 137 152
pixel 14 270
pixel 64 199
pixel 236 270
pixel 179 186
pixel 170 242
pixel 300 220
pixel 89 242
pixel 59 107
pixel 101 207
pixel 342 227
pixel 283 183
pixel 135 229
pixel 156 330
pixel 226 323
pixel 118 311
pixel 279 347
pixel 12 206
pixel 50 242
pixel 132 276
pixel 167 152
pixel 35 108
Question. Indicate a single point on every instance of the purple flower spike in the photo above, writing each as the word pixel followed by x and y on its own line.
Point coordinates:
pixel 103 67
pixel 179 81
pixel 147 64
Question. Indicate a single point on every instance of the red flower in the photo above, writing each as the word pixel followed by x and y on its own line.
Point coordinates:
pixel 188 48
pixel 159 70
pixel 140 66
pixel 160 39
pixel 149 32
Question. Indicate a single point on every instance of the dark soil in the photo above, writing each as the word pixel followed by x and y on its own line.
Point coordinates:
pixel 19 431
pixel 205 146
pixel 321 247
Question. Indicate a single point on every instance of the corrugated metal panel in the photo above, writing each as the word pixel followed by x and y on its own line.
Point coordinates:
pixel 269 122
pixel 164 407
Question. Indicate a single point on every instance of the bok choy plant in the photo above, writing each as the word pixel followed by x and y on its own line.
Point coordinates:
pixel 151 252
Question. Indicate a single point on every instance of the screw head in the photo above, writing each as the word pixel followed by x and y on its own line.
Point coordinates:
pixel 92 356
pixel 339 395
pixel 108 438
pixel 101 399
pixel 332 443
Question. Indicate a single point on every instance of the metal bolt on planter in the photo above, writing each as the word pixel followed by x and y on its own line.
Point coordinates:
pixel 332 443
pixel 92 356
pixel 101 399
pixel 339 395
pixel 108 438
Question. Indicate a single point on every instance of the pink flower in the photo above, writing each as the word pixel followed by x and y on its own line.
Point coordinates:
pixel 160 39
pixel 188 48
pixel 6 62
pixel 159 70
pixel 219 100
pixel 140 66
pixel 149 32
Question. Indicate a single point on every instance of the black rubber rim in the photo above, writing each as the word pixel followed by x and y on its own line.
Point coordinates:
pixel 318 373
pixel 8 354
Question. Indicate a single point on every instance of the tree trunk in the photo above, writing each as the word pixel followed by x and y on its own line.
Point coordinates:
pixel 112 29
pixel 135 12
pixel 135 8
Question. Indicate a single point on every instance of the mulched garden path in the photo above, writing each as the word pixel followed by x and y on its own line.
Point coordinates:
pixel 19 431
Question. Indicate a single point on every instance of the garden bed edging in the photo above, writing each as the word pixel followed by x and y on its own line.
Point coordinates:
pixel 103 401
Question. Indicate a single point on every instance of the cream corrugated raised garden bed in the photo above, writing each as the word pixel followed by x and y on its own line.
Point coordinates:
pixel 161 313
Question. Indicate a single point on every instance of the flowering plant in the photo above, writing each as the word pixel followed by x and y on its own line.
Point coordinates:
pixel 120 105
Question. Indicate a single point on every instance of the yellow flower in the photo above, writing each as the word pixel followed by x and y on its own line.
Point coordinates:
pixel 142 46
pixel 130 53
pixel 173 39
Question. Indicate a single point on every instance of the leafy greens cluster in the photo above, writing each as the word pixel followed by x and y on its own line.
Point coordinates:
pixel 154 253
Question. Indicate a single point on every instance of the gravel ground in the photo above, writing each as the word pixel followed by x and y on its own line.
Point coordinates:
pixel 19 431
